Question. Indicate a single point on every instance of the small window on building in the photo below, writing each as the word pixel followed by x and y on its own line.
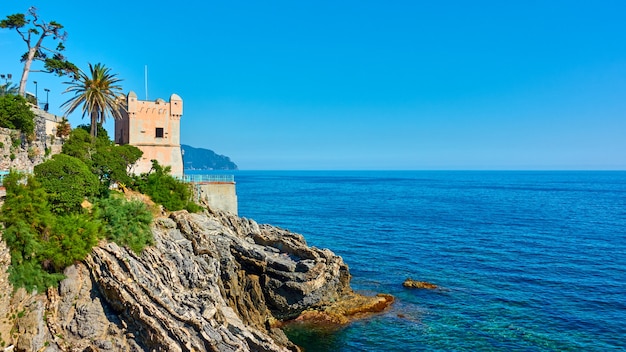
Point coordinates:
pixel 159 132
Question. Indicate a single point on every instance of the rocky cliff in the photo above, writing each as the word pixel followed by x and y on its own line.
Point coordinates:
pixel 211 282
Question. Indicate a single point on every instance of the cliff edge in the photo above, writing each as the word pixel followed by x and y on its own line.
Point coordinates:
pixel 211 282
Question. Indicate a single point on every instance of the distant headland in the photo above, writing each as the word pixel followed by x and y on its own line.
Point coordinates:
pixel 205 159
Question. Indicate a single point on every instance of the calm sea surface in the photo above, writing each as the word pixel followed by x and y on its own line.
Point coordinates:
pixel 527 261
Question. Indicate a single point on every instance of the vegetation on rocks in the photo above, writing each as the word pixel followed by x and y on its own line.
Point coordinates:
pixel 15 114
pixel 166 190
pixel 53 218
pixel 47 231
pixel 125 222
pixel 30 234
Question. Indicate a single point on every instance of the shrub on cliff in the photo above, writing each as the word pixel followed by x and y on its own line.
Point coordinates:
pixel 15 113
pixel 41 245
pixel 166 190
pixel 27 221
pixel 68 182
pixel 71 240
pixel 126 223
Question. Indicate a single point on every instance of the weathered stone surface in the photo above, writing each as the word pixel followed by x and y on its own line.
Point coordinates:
pixel 211 282
pixel 345 310
pixel 172 294
pixel 17 152
pixel 410 283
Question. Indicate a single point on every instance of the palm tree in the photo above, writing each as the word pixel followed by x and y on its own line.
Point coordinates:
pixel 8 88
pixel 98 94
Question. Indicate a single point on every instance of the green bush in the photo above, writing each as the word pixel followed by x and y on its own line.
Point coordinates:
pixel 80 145
pixel 164 189
pixel 111 162
pixel 16 114
pixel 28 225
pixel 70 241
pixel 126 223
pixel 41 245
pixel 46 227
pixel 31 276
pixel 68 182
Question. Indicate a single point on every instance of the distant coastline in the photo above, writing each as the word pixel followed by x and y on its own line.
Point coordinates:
pixel 205 159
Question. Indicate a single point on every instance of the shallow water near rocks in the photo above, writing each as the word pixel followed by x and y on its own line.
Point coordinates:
pixel 531 261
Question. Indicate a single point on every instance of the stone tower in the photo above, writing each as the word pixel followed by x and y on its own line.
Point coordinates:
pixel 153 127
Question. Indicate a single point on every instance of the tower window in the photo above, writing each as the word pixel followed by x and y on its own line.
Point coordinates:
pixel 159 132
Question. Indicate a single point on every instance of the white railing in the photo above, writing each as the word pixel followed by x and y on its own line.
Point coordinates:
pixel 209 178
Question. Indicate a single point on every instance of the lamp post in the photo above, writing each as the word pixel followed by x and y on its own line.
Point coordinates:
pixel 45 107
pixel 6 78
pixel 36 96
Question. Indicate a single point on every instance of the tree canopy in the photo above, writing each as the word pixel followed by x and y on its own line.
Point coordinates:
pixel 16 114
pixel 68 182
pixel 33 31
pixel 109 162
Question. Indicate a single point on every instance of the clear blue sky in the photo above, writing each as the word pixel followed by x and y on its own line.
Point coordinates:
pixel 365 84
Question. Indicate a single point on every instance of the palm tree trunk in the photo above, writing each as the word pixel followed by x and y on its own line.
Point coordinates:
pixel 94 122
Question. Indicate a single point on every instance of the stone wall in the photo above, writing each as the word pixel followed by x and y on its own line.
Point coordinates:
pixel 17 152
pixel 218 195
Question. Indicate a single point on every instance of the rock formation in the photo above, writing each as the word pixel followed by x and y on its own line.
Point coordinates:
pixel 410 283
pixel 211 282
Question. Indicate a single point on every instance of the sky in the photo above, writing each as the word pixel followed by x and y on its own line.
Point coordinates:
pixel 364 85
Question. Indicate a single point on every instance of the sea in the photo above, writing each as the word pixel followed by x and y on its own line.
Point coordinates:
pixel 524 260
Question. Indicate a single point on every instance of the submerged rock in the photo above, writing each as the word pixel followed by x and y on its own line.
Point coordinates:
pixel 410 283
pixel 211 282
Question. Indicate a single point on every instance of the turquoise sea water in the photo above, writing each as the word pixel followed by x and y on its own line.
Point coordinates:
pixel 527 261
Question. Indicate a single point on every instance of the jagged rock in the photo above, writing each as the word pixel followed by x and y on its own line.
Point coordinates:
pixel 31 326
pixel 410 283
pixel 210 282
pixel 348 308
